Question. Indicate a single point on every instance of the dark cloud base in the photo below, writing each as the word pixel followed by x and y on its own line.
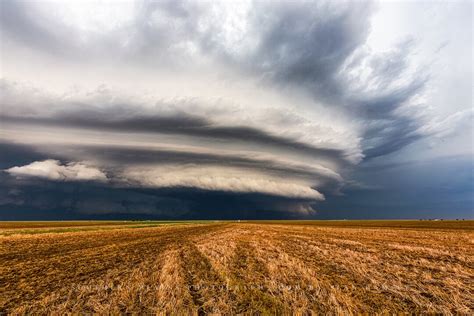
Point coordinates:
pixel 399 191
pixel 48 200
pixel 439 188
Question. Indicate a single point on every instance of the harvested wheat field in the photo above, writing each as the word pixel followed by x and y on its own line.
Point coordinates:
pixel 335 267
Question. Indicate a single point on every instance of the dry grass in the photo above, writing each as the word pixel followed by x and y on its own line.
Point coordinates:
pixel 239 268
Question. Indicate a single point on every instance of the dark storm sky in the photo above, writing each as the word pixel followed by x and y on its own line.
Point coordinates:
pixel 251 109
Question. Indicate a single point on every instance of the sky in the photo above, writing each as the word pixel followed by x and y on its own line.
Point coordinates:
pixel 236 109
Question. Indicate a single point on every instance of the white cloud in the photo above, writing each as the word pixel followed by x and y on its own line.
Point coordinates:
pixel 219 179
pixel 207 178
pixel 53 170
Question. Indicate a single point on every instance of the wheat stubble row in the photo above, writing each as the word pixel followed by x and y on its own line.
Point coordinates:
pixel 238 268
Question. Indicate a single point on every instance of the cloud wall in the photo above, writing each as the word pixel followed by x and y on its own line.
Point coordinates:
pixel 278 104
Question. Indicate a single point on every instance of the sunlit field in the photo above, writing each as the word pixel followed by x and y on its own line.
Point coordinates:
pixel 237 267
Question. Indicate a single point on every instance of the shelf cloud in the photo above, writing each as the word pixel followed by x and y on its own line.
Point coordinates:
pixel 280 107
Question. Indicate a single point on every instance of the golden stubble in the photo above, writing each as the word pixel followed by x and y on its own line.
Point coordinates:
pixel 238 268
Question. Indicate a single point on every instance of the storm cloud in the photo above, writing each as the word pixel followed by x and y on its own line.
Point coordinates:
pixel 168 108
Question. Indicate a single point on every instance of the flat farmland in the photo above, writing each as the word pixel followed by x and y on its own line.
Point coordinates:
pixel 282 267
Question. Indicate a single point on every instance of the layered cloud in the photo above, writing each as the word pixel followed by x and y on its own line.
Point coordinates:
pixel 207 178
pixel 275 103
pixel 220 179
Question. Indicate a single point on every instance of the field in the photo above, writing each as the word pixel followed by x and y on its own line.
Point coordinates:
pixel 303 267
